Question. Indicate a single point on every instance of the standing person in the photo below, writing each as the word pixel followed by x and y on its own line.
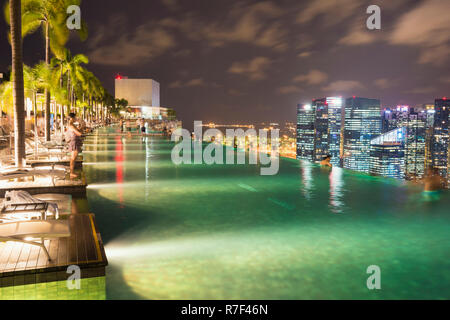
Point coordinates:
pixel 128 126
pixel 75 144
pixel 121 124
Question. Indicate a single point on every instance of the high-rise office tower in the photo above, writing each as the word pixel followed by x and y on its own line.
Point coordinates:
pixel 387 154
pixel 362 124
pixel 320 129
pixel 429 110
pixel 387 120
pixel 414 144
pixel 335 113
pixel 306 115
pixel 440 137
pixel 392 118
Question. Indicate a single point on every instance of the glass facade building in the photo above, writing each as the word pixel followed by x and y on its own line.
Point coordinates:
pixel 387 160
pixel 362 124
pixel 335 114
pixel 387 154
pixel 415 142
pixel 320 129
pixel 440 136
pixel 305 132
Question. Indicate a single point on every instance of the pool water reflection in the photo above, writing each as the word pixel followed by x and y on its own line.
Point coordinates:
pixel 225 232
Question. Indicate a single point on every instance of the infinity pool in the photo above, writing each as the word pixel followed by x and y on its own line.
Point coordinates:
pixel 225 232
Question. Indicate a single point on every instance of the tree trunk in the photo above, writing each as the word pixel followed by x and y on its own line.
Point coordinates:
pixel 15 12
pixel 36 134
pixel 47 93
pixel 62 120
pixel 62 106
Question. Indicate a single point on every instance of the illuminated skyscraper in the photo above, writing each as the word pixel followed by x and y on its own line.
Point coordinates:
pixel 387 154
pixel 320 129
pixel 362 124
pixel 440 138
pixel 305 131
pixel 415 142
pixel 335 114
pixel 388 120
pixel 429 109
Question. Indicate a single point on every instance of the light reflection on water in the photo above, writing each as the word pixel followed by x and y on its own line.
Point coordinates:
pixel 336 190
pixel 212 232
pixel 308 184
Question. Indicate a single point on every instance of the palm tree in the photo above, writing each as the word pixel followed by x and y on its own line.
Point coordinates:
pixel 70 69
pixel 36 79
pixel 93 88
pixel 50 16
pixel 15 15
pixel 117 106
pixel 6 100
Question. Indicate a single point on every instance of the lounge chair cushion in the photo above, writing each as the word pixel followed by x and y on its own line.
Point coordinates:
pixel 51 229
pixel 22 197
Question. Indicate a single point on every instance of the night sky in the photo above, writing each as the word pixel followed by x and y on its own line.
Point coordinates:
pixel 225 60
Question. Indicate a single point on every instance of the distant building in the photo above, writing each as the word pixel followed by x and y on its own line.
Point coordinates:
pixel 415 144
pixel 387 154
pixel 440 136
pixel 387 160
pixel 138 92
pixel 387 120
pixel 391 117
pixel 305 131
pixel 143 96
pixel 320 129
pixel 362 124
pixel 335 126
pixel 414 122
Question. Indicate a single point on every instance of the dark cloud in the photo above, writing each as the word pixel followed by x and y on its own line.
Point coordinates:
pixel 255 60
pixel 254 69
pixel 428 27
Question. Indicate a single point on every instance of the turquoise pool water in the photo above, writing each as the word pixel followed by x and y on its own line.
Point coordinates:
pixel 225 232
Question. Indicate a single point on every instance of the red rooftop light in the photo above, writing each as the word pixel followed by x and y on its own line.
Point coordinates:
pixel 119 77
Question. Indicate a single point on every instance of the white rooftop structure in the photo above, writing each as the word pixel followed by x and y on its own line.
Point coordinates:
pixel 138 92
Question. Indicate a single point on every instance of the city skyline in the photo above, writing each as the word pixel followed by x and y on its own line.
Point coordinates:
pixel 262 57
pixel 403 142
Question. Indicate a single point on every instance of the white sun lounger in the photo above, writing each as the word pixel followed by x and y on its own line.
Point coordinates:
pixel 24 212
pixel 20 205
pixel 57 151
pixel 34 232
pixel 14 173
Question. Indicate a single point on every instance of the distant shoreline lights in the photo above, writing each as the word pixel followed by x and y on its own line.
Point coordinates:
pixel 259 147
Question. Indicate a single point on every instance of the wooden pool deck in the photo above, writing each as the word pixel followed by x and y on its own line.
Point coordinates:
pixel 37 163
pixel 75 187
pixel 22 264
